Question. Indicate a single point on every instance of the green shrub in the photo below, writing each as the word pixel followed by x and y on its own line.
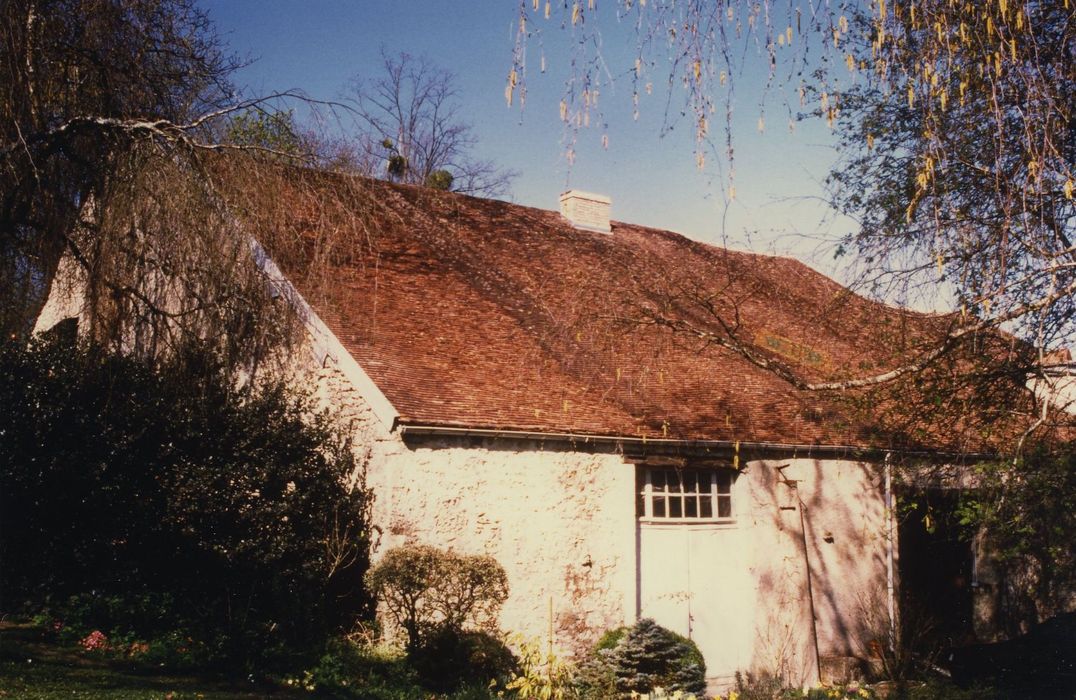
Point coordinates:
pixel 640 658
pixel 151 500
pixel 595 679
pixel 424 590
pixel 650 656
pixel 449 659
pixel 946 690
pixel 354 671
pixel 766 686
pixel 350 670
pixel 541 674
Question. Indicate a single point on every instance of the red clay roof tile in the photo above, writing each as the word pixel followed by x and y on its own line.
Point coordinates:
pixel 484 314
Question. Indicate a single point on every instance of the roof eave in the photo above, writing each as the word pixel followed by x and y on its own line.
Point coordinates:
pixel 645 445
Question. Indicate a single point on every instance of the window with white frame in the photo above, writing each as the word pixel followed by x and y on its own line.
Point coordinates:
pixel 685 494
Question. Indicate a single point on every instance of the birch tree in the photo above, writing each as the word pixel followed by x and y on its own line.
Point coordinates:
pixel 958 158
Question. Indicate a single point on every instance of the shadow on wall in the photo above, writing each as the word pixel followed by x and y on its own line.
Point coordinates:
pixel 824 574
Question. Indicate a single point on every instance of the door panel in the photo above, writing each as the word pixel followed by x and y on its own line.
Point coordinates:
pixel 694 580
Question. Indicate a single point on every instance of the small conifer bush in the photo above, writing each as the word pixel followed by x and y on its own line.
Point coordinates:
pixel 643 657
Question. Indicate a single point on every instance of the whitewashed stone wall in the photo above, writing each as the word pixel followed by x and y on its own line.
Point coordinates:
pixel 846 525
pixel 562 523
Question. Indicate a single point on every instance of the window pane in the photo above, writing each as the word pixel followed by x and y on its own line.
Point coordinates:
pixel 659 506
pixel 691 507
pixel 706 507
pixel 724 482
pixel 675 508
pixel 657 479
pixel 724 507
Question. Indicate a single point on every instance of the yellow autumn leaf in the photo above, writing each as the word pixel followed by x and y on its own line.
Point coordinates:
pixel 575 13
pixel 1068 188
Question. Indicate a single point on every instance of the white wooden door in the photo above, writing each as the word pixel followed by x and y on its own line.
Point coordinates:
pixel 694 580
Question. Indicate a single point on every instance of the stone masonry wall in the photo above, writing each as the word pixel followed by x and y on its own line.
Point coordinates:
pixel 562 523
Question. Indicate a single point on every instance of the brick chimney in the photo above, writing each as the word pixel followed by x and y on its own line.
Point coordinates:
pixel 586 210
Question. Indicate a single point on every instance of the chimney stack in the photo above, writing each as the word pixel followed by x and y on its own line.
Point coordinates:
pixel 586 210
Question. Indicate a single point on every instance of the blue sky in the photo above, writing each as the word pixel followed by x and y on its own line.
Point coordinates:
pixel 319 45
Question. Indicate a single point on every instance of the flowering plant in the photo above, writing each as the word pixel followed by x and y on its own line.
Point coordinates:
pixel 94 641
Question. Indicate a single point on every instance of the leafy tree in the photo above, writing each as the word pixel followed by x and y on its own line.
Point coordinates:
pixel 412 111
pixel 276 132
pixel 141 68
pixel 1027 511
pixel 440 180
pixel 234 512
pixel 113 159
pixel 960 171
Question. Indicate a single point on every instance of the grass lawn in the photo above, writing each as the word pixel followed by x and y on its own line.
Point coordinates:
pixel 35 669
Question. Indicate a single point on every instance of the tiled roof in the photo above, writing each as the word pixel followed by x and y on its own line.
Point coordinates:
pixel 483 314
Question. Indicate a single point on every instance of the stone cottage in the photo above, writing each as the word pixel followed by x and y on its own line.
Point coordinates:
pixel 597 405
pixel 612 412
